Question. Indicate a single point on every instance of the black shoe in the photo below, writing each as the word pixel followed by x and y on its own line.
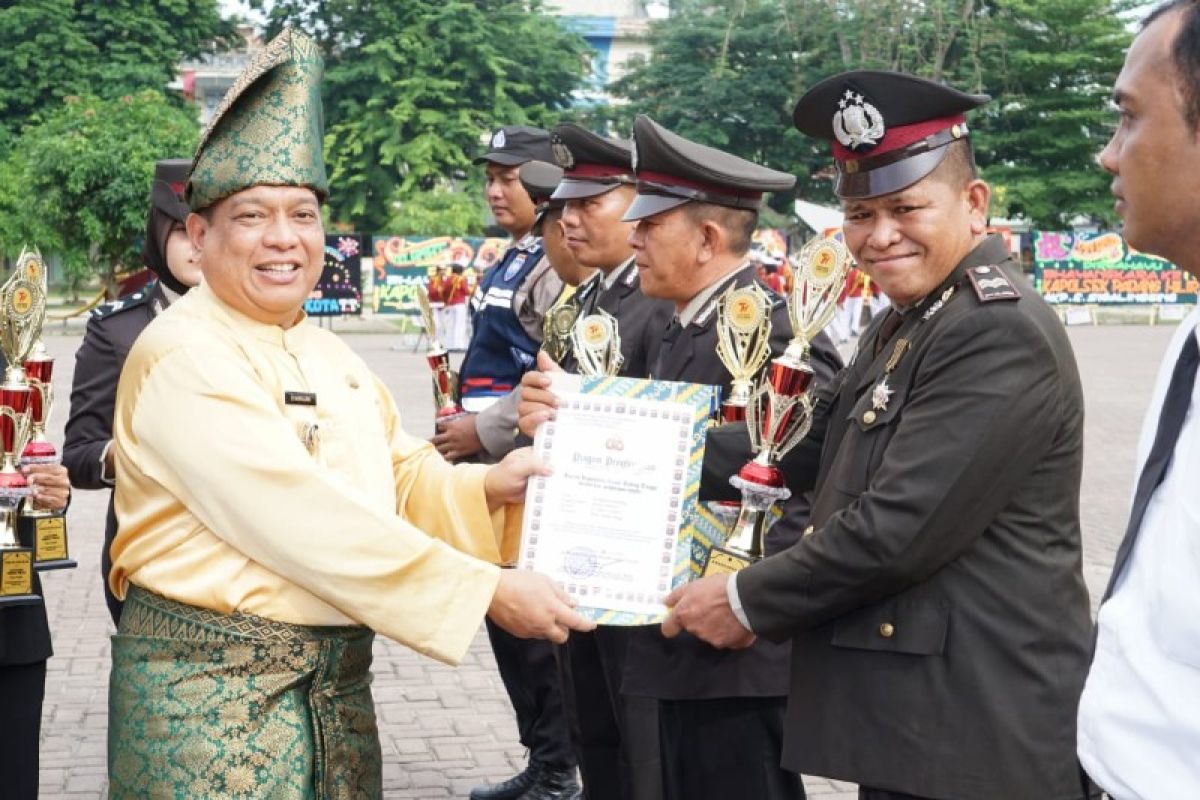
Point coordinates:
pixel 511 789
pixel 554 783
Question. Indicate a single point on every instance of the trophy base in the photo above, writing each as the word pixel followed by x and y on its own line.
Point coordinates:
pixel 45 532
pixel 723 561
pixel 16 577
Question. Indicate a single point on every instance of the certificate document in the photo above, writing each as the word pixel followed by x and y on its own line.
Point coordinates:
pixel 625 456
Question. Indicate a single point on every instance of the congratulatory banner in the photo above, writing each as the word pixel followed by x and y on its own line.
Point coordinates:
pixel 402 263
pixel 1101 269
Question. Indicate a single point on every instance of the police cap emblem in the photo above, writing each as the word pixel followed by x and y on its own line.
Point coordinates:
pixel 857 124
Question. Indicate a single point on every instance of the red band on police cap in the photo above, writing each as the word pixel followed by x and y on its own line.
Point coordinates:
pixel 898 137
pixel 664 179
pixel 596 171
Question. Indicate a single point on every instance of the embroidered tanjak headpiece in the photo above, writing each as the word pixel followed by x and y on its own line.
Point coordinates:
pixel 269 127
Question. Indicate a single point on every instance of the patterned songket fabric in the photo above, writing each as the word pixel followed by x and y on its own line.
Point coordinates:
pixel 222 706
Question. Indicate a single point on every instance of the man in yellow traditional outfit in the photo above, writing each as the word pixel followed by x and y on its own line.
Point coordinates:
pixel 272 512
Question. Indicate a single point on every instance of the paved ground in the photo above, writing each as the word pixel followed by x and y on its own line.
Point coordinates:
pixel 444 730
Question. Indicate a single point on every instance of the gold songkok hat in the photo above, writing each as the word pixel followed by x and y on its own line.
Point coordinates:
pixel 269 127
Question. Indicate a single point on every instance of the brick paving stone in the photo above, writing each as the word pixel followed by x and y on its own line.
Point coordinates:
pixel 444 730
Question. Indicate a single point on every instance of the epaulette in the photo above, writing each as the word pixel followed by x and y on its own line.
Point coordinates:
pixel 528 243
pixel 991 284
pixel 138 298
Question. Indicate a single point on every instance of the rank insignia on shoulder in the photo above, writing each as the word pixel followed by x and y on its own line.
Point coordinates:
pixel 992 284
pixel 125 303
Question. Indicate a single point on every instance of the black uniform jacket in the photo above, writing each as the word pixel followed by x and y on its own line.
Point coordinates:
pixel 938 613
pixel 686 668
pixel 641 320
pixel 110 334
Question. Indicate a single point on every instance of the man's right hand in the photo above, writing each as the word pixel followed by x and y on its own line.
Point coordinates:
pixel 531 606
pixel 537 401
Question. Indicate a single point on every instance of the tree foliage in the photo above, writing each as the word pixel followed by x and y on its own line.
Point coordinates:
pixel 77 183
pixel 59 48
pixel 411 87
pixel 728 73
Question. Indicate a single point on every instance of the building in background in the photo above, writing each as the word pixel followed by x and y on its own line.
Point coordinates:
pixel 206 79
pixel 616 30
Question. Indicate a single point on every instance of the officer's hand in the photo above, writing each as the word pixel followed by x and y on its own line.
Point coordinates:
pixel 702 609
pixel 531 606
pixel 457 439
pixel 50 485
pixel 537 401
pixel 506 481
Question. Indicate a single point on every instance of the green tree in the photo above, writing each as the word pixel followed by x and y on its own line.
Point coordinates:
pixel 1051 65
pixel 77 183
pixel 411 87
pixel 58 48
pixel 728 73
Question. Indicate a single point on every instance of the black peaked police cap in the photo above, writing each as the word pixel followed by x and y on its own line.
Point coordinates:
pixel 592 164
pixel 516 144
pixel 672 170
pixel 888 129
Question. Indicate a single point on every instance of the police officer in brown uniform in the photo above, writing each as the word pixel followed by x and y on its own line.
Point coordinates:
pixel 936 608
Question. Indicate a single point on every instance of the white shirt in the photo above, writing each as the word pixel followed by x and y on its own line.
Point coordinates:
pixel 1139 717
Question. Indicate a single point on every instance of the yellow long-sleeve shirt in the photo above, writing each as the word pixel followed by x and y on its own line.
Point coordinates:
pixel 222 505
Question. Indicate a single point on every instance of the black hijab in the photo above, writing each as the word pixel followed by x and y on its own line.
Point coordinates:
pixel 167 209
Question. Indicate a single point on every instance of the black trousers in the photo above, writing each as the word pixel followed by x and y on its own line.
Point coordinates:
pixel 530 675
pixel 723 748
pixel 865 793
pixel 22 689
pixel 615 735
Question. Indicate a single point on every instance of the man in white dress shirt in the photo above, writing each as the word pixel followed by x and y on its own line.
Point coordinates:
pixel 1139 717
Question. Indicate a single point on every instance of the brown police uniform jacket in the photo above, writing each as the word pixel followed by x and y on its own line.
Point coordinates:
pixel 641 320
pixel 685 668
pixel 938 613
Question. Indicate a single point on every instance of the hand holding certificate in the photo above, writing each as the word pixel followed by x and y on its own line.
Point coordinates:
pixel 625 457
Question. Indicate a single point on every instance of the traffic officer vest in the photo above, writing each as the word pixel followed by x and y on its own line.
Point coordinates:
pixel 500 351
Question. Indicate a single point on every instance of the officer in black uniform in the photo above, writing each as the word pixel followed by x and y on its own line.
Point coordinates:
pixel 507 314
pixel 110 333
pixel 937 607
pixel 615 734
pixel 721 713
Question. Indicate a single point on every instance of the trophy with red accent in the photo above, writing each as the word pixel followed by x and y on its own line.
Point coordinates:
pixel 22 309
pixel 780 414
pixel 46 530
pixel 743 344
pixel 445 380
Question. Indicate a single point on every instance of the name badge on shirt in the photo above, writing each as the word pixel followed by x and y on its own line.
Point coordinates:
pixel 300 398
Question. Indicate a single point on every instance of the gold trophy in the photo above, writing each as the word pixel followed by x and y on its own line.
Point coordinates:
pixel 781 413
pixel 557 326
pixel 743 344
pixel 22 310
pixel 445 380
pixel 597 345
pixel 46 530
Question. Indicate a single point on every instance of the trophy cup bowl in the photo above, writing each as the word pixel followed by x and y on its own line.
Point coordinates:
pixel 445 383
pixel 39 370
pixel 743 344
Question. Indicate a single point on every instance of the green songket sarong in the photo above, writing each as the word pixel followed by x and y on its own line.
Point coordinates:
pixel 210 705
